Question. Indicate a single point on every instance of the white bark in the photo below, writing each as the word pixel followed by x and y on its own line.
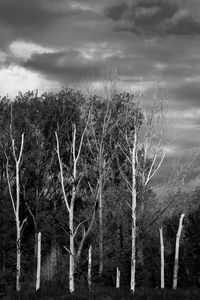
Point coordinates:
pixel 134 194
pixel 90 267
pixel 178 235
pixel 38 262
pixel 16 206
pixel 71 252
pixel 162 262
pixel 18 242
pixel 100 219
pixel 76 178
pixel 118 278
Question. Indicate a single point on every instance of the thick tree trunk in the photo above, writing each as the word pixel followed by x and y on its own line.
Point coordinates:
pixel 90 267
pixel 178 235
pixel 71 254
pixel 118 278
pixel 38 262
pixel 162 262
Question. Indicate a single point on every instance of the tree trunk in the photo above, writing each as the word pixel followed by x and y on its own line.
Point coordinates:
pixel 38 262
pixel 18 244
pixel 100 223
pixel 178 235
pixel 133 236
pixel 71 254
pixel 133 251
pixel 90 267
pixel 118 278
pixel 18 227
pixel 162 262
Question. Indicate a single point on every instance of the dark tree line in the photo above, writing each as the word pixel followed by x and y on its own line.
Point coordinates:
pixel 100 189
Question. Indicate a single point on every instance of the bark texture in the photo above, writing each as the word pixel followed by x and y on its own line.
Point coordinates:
pixel 178 235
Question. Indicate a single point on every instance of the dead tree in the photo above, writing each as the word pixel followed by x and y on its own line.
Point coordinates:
pixel 162 260
pixel 16 204
pixel 178 235
pixel 38 273
pixel 75 178
pixel 100 126
pixel 89 278
pixel 132 140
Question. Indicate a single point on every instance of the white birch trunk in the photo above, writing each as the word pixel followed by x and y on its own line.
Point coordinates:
pixel 133 236
pixel 18 240
pixel 178 235
pixel 118 278
pixel 90 267
pixel 16 206
pixel 38 262
pixel 70 206
pixel 162 262
pixel 18 245
pixel 100 222
pixel 71 253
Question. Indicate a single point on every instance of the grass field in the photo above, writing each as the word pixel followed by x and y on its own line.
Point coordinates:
pixel 109 293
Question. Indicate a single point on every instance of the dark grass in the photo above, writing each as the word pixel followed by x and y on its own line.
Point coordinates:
pixel 106 293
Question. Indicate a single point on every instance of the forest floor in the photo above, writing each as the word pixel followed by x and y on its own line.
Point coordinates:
pixel 109 293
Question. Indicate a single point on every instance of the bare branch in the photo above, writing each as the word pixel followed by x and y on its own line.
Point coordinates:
pixel 82 137
pixel 61 172
pixel 23 222
pixel 156 169
pixel 76 230
pixel 21 148
pixel 128 158
pixel 32 215
pixel 68 250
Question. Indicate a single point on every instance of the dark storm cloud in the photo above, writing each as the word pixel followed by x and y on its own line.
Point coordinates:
pixel 65 65
pixel 153 17
pixel 31 14
pixel 22 13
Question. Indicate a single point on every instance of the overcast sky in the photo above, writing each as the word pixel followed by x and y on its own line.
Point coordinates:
pixel 45 44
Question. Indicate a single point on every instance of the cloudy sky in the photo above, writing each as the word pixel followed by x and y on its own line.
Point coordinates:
pixel 45 44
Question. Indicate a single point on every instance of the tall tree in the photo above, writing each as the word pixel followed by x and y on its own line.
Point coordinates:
pixel 15 199
pixel 72 181
pixel 141 155
pixel 98 136
pixel 130 121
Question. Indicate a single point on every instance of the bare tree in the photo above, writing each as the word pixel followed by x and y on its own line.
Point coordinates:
pixel 89 278
pixel 162 260
pixel 16 204
pixel 100 126
pixel 133 122
pixel 75 179
pixel 38 262
pixel 178 235
pixel 118 278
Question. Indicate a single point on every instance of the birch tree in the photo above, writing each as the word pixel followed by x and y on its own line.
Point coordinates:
pixel 89 277
pixel 38 273
pixel 162 260
pixel 15 199
pixel 130 121
pixel 178 235
pixel 98 135
pixel 74 179
pixel 131 143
